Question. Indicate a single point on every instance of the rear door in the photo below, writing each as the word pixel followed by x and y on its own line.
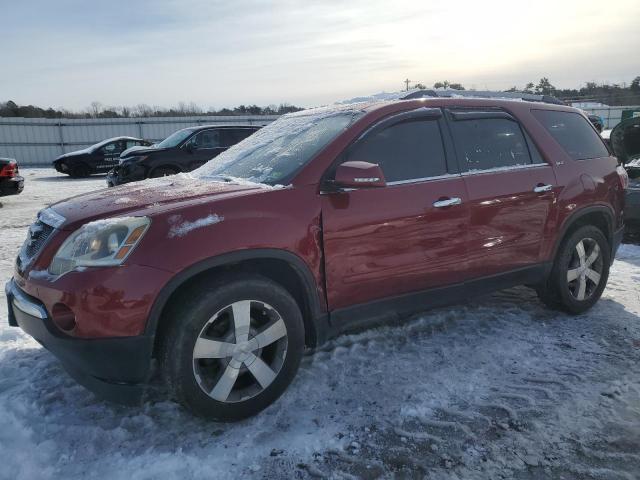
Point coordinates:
pixel 510 186
pixel 384 242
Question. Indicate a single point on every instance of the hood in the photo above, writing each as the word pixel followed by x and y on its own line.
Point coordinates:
pixel 138 149
pixel 625 139
pixel 147 197
pixel 75 153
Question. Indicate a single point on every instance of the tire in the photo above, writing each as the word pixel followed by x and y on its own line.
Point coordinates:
pixel 199 372
pixel 162 172
pixel 579 274
pixel 80 171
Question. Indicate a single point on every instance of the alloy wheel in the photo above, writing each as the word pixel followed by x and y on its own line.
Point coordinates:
pixel 240 351
pixel 585 269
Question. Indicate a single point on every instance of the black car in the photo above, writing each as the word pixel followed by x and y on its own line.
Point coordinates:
pixel 10 182
pixel 624 140
pixel 182 151
pixel 98 158
pixel 597 121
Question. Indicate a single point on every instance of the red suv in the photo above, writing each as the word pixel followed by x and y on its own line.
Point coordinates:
pixel 323 221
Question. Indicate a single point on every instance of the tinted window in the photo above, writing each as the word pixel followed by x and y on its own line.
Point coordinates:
pixel 206 139
pixel 239 134
pixel 488 143
pixel 405 151
pixel 536 157
pixel 231 136
pixel 573 132
pixel 133 143
pixel 113 147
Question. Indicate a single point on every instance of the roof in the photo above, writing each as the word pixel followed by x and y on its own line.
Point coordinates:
pixel 449 93
pixel 195 128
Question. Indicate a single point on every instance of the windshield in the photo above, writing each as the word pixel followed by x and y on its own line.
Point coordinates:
pixel 174 139
pixel 274 153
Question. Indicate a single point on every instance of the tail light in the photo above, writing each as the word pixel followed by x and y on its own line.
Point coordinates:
pixel 624 176
pixel 10 170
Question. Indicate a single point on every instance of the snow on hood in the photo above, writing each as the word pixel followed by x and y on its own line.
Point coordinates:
pixel 145 197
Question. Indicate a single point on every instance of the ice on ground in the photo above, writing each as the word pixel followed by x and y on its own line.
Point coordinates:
pixel 500 387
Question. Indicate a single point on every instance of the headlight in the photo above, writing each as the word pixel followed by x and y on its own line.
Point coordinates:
pixel 99 244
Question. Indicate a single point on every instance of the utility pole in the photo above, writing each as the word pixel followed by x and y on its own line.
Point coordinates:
pixel 407 83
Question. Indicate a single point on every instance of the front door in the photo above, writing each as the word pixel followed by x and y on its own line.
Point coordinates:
pixel 511 191
pixel 203 146
pixel 108 156
pixel 401 238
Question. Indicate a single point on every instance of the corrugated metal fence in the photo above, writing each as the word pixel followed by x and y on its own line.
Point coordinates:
pixel 611 116
pixel 38 141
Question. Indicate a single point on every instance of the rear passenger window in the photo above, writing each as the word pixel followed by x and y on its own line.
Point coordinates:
pixel 487 143
pixel 233 136
pixel 405 151
pixel 573 132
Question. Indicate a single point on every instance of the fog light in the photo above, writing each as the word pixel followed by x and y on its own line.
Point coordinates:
pixel 63 317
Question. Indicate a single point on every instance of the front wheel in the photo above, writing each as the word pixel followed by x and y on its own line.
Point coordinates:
pixel 232 348
pixel 580 272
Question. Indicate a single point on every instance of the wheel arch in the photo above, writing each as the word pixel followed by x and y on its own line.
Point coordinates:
pixel 600 216
pixel 283 267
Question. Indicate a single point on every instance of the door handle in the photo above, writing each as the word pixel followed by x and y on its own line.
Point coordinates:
pixel 447 202
pixel 543 188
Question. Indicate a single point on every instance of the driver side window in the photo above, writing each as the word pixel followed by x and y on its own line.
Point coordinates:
pixel 205 139
pixel 410 150
pixel 113 148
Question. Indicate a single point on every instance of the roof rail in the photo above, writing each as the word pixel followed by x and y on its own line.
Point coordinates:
pixel 450 93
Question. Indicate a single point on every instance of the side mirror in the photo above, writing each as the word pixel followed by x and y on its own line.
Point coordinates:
pixel 189 147
pixel 359 175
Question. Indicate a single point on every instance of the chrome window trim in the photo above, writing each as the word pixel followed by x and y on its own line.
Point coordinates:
pixel 423 179
pixel 504 169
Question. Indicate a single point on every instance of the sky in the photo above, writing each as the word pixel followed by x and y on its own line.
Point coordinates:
pixel 218 54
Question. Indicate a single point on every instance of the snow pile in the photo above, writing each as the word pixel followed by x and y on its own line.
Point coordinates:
pixel 180 228
pixel 500 387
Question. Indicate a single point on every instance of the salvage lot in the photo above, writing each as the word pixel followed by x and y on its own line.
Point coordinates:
pixel 496 388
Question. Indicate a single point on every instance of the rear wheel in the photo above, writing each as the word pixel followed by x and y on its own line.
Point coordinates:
pixel 580 272
pixel 232 348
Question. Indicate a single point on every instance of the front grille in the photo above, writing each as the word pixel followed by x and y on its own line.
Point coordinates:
pixel 38 235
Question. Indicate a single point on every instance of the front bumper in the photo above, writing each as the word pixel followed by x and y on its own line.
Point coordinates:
pixel 11 186
pixel 114 368
pixel 126 173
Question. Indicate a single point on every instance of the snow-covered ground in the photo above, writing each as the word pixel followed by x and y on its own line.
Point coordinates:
pixel 497 388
